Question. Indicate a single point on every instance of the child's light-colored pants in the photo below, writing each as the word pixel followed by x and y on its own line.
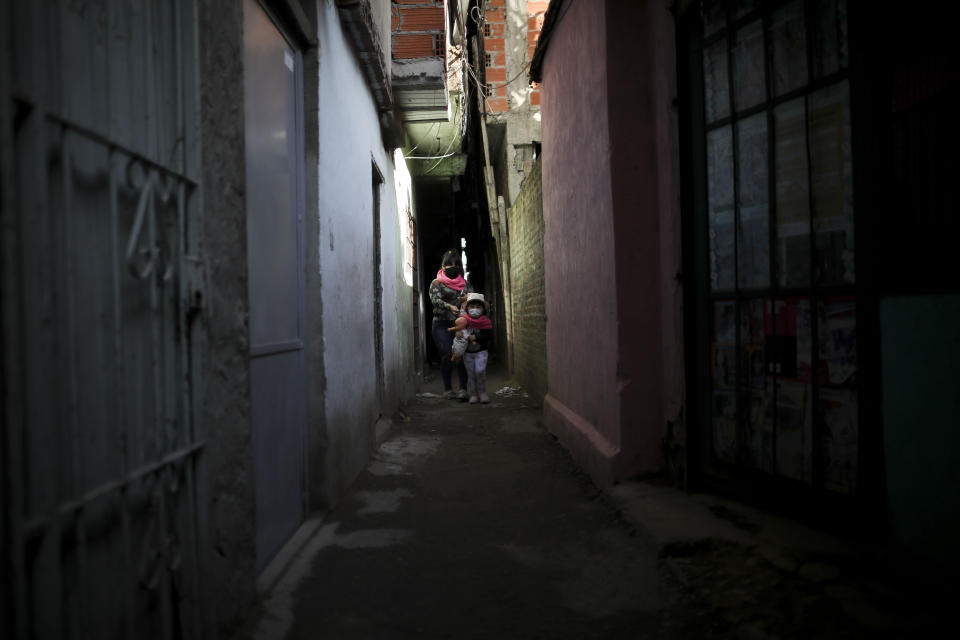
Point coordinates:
pixel 476 364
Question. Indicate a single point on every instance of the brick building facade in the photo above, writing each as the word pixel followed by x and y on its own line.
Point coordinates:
pixel 525 221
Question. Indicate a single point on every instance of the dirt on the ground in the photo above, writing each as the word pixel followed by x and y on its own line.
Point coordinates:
pixel 472 521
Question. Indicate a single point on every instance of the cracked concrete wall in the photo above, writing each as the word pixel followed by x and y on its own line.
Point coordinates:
pixel 350 143
pixel 226 415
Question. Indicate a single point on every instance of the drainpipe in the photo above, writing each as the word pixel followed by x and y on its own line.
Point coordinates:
pixel 499 232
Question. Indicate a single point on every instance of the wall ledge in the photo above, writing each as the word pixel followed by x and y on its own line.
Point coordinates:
pixel 589 448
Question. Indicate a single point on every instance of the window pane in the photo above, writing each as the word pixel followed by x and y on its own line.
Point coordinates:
pixel 832 181
pixel 837 405
pixel 829 45
pixel 757 391
pixel 720 208
pixel 838 342
pixel 743 7
pixel 788 44
pixel 724 367
pixel 790 354
pixel 714 17
pixel 716 85
pixel 792 194
pixel 753 247
pixel 837 410
pixel 749 86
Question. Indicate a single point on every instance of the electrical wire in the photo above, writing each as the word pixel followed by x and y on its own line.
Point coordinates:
pixel 446 154
pixel 479 18
pixel 427 135
pixel 449 155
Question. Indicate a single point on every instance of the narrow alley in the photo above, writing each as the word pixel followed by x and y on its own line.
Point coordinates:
pixel 472 522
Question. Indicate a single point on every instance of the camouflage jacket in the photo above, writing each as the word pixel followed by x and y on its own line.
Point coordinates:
pixel 441 295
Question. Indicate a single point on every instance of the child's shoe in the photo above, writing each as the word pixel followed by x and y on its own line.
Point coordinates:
pixel 484 398
pixel 473 399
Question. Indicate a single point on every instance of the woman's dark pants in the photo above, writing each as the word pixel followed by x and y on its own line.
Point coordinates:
pixel 444 340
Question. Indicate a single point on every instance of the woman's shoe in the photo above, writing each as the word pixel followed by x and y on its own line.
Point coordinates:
pixel 473 399
pixel 449 394
pixel 484 398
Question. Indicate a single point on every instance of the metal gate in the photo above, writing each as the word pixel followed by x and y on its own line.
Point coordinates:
pixel 274 167
pixel 103 510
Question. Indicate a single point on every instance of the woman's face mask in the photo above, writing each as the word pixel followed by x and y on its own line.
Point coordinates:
pixel 475 312
pixel 451 272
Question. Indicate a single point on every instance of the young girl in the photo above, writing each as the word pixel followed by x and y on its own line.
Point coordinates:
pixel 475 310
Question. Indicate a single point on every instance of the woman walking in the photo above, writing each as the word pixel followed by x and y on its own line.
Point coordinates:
pixel 447 293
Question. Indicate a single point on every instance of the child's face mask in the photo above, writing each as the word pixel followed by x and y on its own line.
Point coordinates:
pixel 475 312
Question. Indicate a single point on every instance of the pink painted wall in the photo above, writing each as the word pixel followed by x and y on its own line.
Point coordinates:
pixel 581 405
pixel 614 329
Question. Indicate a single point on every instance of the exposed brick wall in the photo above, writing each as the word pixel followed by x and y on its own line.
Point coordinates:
pixel 417 27
pixel 495 45
pixel 525 224
pixel 535 11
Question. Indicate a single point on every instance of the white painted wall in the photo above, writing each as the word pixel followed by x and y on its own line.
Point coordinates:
pixel 350 141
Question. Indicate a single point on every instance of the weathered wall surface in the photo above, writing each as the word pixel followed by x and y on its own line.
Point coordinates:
pixel 581 406
pixel 349 144
pixel 313 290
pixel 611 251
pixel 645 213
pixel 525 221
pixel 920 346
pixel 226 390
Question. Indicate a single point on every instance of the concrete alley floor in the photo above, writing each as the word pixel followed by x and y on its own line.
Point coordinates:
pixel 471 521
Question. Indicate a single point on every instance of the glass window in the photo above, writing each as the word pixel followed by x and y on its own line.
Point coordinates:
pixel 749 84
pixel 714 17
pixel 837 404
pixel 788 41
pixel 716 81
pixel 831 178
pixel 721 209
pixel 791 354
pixel 778 395
pixel 791 182
pixel 724 395
pixel 756 395
pixel 829 44
pixel 753 226
pixel 743 7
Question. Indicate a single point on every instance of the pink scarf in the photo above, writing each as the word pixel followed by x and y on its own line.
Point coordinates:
pixel 483 322
pixel 457 283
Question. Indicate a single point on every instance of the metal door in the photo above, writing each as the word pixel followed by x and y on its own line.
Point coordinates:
pixel 103 509
pixel 276 275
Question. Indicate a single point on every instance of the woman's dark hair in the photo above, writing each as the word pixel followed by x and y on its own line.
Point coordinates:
pixel 451 257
